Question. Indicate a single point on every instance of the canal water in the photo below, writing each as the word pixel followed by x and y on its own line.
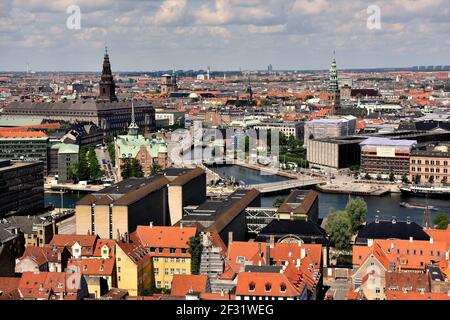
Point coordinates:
pixel 385 207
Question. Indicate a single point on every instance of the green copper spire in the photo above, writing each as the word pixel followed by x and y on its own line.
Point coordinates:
pixel 333 85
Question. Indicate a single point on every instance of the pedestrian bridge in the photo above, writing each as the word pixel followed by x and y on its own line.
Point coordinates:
pixel 284 185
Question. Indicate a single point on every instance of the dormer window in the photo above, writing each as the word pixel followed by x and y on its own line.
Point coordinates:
pixel 251 286
pixel 85 267
pixel 268 287
pixel 283 287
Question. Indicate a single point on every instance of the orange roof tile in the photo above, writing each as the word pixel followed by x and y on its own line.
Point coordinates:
pixel 165 237
pixel 183 283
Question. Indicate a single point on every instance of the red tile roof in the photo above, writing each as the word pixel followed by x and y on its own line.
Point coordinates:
pixel 183 283
pixel 165 237
pixel 95 266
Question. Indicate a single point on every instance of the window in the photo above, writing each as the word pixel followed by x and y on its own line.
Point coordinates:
pixel 166 284
pixel 172 271
pixel 283 287
pixel 156 271
pixel 166 271
pixel 251 286
pixel 118 269
pixel 183 250
pixel 268 287
pixel 158 284
pixel 152 249
pixel 172 250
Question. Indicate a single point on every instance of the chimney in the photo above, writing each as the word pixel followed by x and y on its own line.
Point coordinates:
pixel 298 263
pixel 431 240
pixel 408 220
pixel 181 225
pixel 272 241
pixel 118 235
pixel 259 249
pixel 268 254
pixel 230 237
pixel 151 224
pixel 410 239
pixel 127 237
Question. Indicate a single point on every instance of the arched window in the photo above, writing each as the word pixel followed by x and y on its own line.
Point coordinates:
pixel 283 287
pixel 251 286
pixel 268 287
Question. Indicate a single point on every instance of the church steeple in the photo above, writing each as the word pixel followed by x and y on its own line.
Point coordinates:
pixel 133 128
pixel 107 87
pixel 334 96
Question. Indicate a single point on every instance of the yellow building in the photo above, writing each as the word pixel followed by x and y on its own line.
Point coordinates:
pixel 134 266
pixel 169 249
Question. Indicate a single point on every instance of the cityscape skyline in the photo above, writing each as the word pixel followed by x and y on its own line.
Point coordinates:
pixel 160 35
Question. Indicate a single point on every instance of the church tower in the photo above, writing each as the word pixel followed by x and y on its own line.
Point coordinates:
pixel 107 87
pixel 334 95
pixel 133 128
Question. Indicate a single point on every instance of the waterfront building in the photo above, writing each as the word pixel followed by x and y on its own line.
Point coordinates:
pixel 223 215
pixel 390 229
pixel 288 231
pixel 21 187
pixel 430 163
pixel 334 95
pixel 334 153
pixel 24 146
pixel 149 152
pixel 331 127
pixel 109 113
pixel 68 155
pixel 119 209
pixel 381 156
pixel 159 199
pixel 169 249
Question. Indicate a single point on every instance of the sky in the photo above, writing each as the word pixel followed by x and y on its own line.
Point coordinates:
pixel 149 35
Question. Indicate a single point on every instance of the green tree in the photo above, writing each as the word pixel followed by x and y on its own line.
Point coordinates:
pixel 195 249
pixel 379 178
pixel 155 169
pixel 95 172
pixel 391 177
pixel 431 179
pixel 357 210
pixel 444 180
pixel 125 168
pixel 277 202
pixel 367 177
pixel 405 179
pixel 112 153
pixel 441 221
pixel 339 228
pixel 416 179
pixel 136 169
pixel 83 166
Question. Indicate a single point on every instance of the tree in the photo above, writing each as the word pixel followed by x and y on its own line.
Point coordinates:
pixel 357 210
pixel 339 228
pixel 444 180
pixel 155 169
pixel 391 177
pixel 277 202
pixel 416 179
pixel 83 167
pixel 195 249
pixel 441 221
pixel 136 169
pixel 94 168
pixel 431 179
pixel 73 174
pixel 379 178
pixel 112 153
pixel 405 178
pixel 125 168
pixel 367 177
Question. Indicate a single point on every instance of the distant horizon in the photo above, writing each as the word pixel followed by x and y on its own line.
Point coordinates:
pixel 386 69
